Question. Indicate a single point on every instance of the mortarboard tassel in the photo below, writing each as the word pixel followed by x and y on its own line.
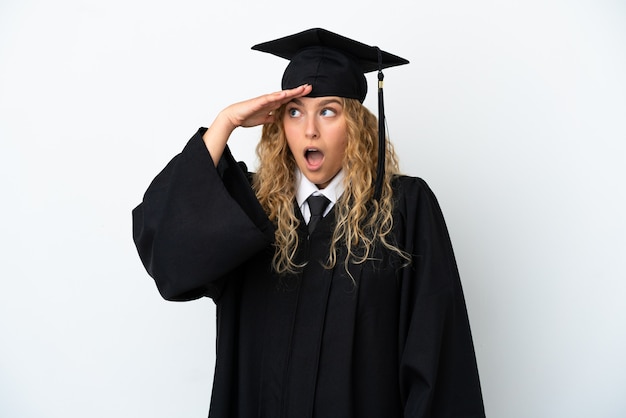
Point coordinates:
pixel 380 172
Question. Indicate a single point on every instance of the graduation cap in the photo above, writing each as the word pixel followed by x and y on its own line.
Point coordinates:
pixel 335 66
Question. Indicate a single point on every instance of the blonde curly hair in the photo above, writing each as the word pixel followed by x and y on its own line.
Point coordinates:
pixel 361 222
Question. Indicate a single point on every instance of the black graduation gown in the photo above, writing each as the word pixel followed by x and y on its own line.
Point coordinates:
pixel 396 344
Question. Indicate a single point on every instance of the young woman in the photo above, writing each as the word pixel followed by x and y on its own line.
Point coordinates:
pixel 357 311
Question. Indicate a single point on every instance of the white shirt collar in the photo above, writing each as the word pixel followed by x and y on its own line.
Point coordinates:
pixel 304 189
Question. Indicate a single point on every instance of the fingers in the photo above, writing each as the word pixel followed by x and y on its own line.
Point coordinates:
pixel 300 91
pixel 274 100
pixel 261 109
pixel 283 96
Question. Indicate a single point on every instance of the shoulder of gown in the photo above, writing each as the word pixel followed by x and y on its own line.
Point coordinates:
pixel 438 367
pixel 198 222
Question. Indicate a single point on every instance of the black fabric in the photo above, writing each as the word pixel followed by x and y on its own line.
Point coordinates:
pixel 331 63
pixel 317 205
pixel 381 339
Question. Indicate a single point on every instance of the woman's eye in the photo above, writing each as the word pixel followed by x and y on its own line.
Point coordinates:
pixel 328 112
pixel 294 112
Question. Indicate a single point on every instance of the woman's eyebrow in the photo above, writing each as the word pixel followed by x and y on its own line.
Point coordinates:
pixel 322 103
pixel 330 101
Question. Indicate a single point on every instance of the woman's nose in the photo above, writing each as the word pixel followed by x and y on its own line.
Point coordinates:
pixel 311 130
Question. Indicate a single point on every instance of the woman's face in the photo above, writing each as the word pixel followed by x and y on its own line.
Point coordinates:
pixel 316 134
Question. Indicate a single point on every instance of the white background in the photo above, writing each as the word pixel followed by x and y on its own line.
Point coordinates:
pixel 514 112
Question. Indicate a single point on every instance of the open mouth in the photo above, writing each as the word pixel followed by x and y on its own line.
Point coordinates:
pixel 314 157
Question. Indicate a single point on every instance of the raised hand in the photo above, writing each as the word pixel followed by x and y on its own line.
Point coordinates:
pixel 259 110
pixel 251 112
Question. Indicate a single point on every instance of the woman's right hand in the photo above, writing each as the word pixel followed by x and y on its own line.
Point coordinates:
pixel 260 110
pixel 251 112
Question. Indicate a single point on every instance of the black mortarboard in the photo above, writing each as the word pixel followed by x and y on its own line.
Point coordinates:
pixel 334 66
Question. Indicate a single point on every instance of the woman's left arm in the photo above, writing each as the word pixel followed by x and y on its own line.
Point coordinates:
pixel 438 370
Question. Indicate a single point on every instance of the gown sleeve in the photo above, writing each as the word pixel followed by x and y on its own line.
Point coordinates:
pixel 438 371
pixel 197 223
